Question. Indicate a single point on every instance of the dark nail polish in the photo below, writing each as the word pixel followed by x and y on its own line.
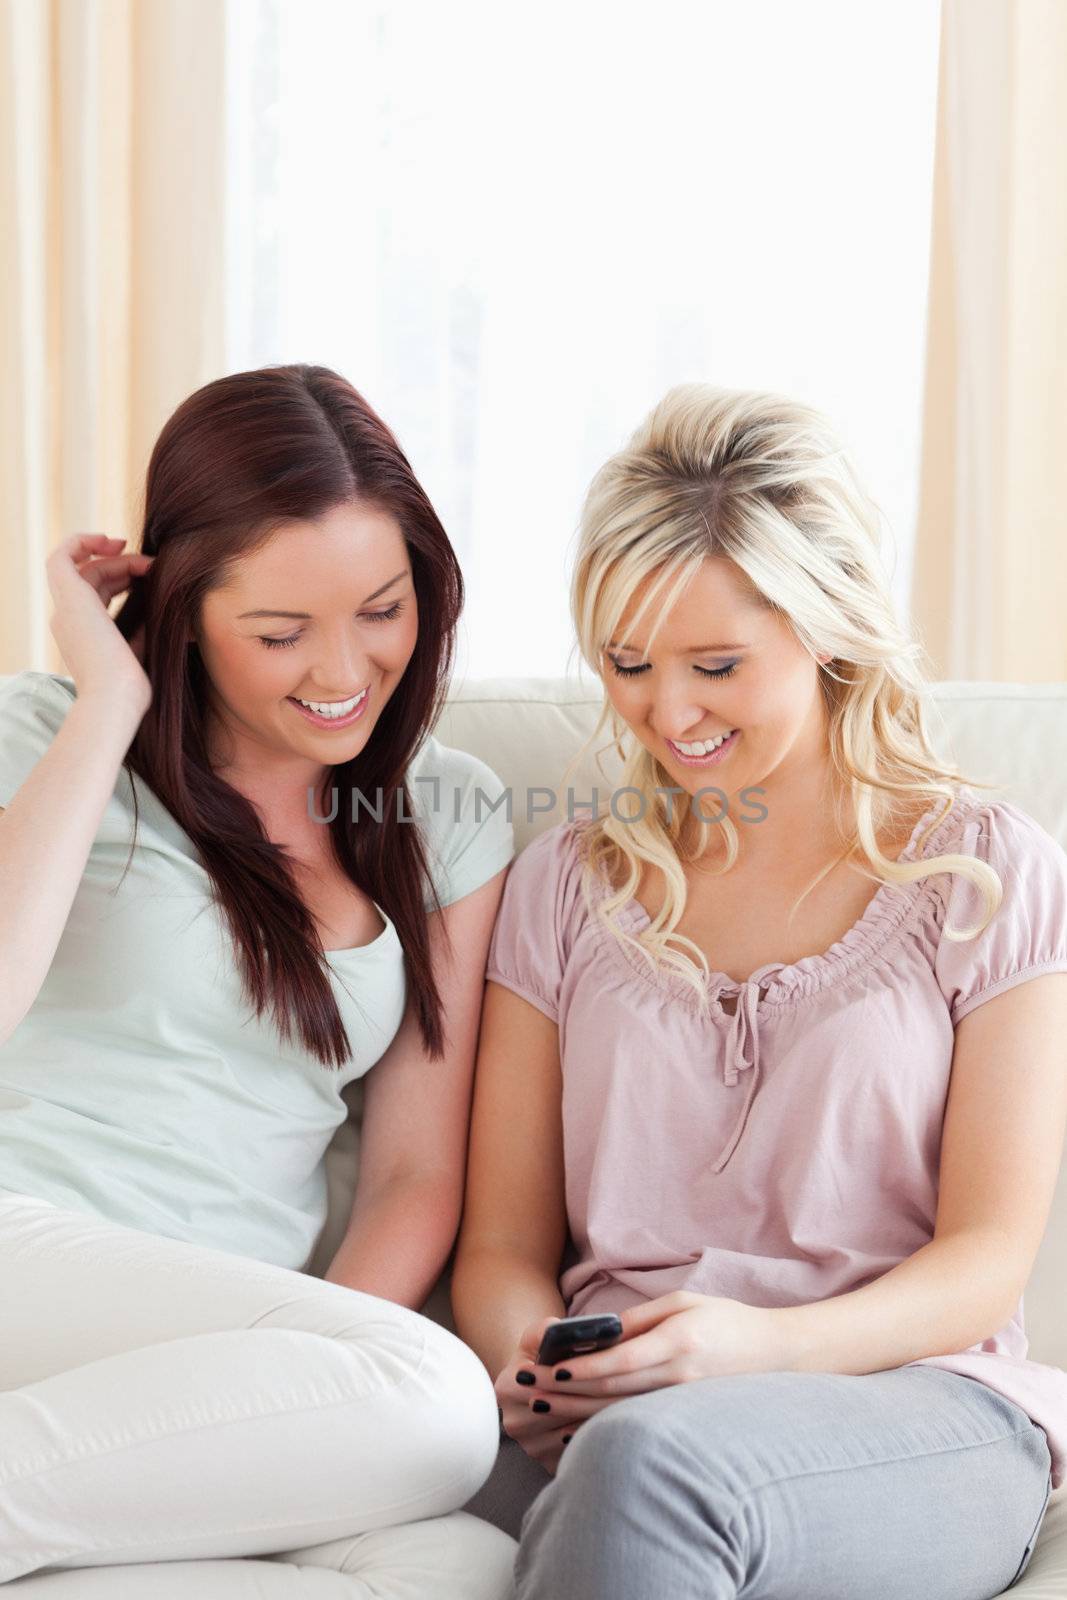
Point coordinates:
pixel 567 1437
pixel 540 1405
pixel 562 1375
pixel 527 1378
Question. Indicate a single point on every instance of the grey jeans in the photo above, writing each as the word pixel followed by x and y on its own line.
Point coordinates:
pixel 895 1485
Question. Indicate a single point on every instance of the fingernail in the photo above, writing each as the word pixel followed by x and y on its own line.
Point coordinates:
pixel 562 1375
pixel 540 1405
pixel 527 1378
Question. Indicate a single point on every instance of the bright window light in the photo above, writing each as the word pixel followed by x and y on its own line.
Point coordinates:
pixel 514 228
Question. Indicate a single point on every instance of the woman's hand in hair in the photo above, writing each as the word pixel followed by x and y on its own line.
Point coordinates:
pixel 85 573
pixel 676 1338
pixel 544 1435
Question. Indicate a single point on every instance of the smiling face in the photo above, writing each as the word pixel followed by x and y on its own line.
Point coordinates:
pixel 723 663
pixel 345 584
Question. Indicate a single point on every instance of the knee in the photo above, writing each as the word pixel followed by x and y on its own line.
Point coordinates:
pixel 618 1453
pixel 627 1429
pixel 461 1411
pixel 630 1495
pixel 630 1458
pixel 438 1398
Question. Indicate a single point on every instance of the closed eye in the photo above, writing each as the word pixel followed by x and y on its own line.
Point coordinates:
pixel 707 672
pixel 372 616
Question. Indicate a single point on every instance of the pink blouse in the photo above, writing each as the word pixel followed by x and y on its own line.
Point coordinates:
pixel 786 1150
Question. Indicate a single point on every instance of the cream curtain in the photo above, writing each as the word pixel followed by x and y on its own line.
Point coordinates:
pixel 112 152
pixel 990 573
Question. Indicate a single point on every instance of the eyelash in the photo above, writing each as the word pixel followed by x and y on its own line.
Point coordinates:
pixel 708 672
pixel 372 616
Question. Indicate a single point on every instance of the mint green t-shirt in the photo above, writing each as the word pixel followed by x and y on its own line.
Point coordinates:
pixel 141 1086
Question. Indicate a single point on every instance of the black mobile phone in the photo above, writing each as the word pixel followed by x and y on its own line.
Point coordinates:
pixel 576 1336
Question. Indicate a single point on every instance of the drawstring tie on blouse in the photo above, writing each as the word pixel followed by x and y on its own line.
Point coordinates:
pixel 742 1038
pixel 742 1055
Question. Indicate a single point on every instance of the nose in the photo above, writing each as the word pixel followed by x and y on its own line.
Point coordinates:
pixel 342 665
pixel 676 715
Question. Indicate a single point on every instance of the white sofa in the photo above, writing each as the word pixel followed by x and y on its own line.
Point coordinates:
pixel 1013 735
pixel 1010 735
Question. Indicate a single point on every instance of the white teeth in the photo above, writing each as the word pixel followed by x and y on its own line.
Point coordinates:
pixel 341 709
pixel 703 747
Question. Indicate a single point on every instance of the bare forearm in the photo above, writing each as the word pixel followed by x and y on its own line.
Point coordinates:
pixel 398 1241
pixel 46 834
pixel 495 1296
pixel 946 1297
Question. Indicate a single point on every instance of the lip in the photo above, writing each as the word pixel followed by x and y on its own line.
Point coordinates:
pixel 330 722
pixel 711 760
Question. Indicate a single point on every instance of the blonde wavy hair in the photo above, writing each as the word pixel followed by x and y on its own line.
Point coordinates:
pixel 763 480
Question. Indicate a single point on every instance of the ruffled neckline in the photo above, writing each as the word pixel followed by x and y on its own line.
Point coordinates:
pixel 782 983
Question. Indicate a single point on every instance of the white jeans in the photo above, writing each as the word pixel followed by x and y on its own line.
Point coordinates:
pixel 169 1409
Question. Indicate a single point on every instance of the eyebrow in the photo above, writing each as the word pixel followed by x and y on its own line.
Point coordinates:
pixel 305 616
pixel 693 650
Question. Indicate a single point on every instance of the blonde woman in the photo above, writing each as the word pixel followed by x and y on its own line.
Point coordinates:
pixel 771 1066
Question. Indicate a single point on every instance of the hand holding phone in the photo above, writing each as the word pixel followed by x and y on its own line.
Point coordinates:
pixel 577 1336
pixel 544 1422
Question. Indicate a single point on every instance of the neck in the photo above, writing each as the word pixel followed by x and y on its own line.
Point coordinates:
pixel 798 812
pixel 255 769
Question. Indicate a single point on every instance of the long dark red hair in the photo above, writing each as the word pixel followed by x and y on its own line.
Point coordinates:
pixel 237 459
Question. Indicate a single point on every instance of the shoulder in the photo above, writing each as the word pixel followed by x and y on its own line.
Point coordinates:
pixel 464 813
pixel 1031 864
pixel 1008 824
pixel 1025 932
pixel 548 871
pixel 539 918
pixel 559 845
pixel 457 768
pixel 1011 841
pixel 32 708
pixel 46 695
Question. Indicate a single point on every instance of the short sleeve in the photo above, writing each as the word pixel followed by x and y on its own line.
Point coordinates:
pixel 32 708
pixel 1028 933
pixel 466 819
pixel 535 924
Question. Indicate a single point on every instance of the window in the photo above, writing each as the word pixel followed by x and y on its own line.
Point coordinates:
pixel 514 228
